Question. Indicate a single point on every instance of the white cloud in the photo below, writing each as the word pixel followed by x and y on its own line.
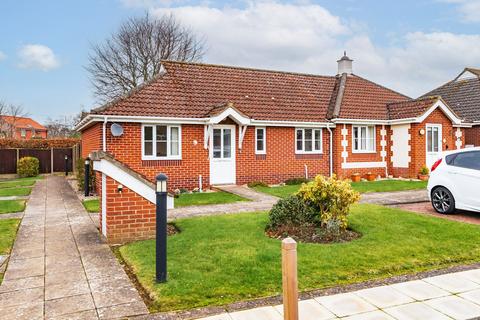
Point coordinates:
pixel 3 56
pixel 308 38
pixel 469 9
pixel 37 56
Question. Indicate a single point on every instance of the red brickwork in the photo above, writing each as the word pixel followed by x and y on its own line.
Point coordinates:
pixel 472 136
pixel 91 139
pixel 129 215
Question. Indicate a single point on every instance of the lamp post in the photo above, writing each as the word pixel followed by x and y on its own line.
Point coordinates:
pixel 161 228
pixel 87 177
pixel 66 165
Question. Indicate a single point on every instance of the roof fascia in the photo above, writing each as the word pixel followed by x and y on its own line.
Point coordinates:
pixel 232 113
pixel 446 110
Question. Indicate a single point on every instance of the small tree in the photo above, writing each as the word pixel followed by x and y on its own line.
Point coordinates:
pixel 331 197
pixel 133 54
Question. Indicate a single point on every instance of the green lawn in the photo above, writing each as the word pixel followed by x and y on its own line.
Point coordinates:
pixel 18 191
pixel 362 187
pixel 8 206
pixel 204 198
pixel 221 259
pixel 20 182
pixel 8 230
pixel 92 205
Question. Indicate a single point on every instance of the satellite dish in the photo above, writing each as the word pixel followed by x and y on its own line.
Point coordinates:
pixel 116 130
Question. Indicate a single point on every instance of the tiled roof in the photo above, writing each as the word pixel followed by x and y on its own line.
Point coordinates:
pixel 23 122
pixel 194 90
pixel 411 108
pixel 364 99
pixel 462 95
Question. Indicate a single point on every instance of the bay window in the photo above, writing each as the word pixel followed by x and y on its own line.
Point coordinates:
pixel 260 140
pixel 308 140
pixel 363 139
pixel 161 142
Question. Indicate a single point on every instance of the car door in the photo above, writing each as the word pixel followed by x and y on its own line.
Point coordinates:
pixel 464 170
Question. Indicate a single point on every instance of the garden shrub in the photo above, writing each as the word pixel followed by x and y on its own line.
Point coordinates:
pixel 80 166
pixel 424 170
pixel 292 211
pixel 28 167
pixel 254 184
pixel 294 181
pixel 331 198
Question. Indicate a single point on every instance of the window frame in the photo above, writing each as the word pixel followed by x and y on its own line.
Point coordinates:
pixel 314 151
pixel 264 151
pixel 374 140
pixel 23 133
pixel 169 156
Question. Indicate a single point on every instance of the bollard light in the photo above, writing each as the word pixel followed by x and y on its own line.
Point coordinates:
pixel 87 177
pixel 66 165
pixel 161 228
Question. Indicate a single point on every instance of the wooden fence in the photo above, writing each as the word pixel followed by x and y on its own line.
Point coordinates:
pixel 51 160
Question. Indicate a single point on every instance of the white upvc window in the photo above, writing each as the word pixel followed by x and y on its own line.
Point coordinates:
pixel 308 140
pixel 161 142
pixel 23 133
pixel 260 140
pixel 363 139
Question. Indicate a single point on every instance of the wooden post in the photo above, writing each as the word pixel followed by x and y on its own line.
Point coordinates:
pixel 51 159
pixel 289 279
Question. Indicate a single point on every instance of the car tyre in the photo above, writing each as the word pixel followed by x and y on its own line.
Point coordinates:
pixel 443 201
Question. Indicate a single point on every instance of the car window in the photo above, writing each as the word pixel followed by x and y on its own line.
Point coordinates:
pixel 469 160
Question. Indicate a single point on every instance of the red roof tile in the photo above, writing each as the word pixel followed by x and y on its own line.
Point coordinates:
pixel 23 122
pixel 411 108
pixel 194 90
pixel 364 99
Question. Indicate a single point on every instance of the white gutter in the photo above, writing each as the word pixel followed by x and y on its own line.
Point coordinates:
pixel 166 120
pixel 330 149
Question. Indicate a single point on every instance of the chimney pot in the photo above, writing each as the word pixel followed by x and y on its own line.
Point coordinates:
pixel 344 64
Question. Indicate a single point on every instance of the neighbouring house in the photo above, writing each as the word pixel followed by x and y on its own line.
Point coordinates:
pixel 21 128
pixel 463 95
pixel 204 125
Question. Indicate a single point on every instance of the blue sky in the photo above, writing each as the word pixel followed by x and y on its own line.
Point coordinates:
pixel 410 46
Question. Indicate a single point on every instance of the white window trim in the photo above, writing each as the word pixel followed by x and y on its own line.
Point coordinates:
pixel 264 151
pixel 303 141
pixel 374 138
pixel 154 142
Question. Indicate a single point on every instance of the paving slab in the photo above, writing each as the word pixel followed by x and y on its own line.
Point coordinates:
pixel 60 267
pixel 373 315
pixel 455 307
pixel 415 311
pixel 310 310
pixel 345 304
pixel 265 313
pixel 420 290
pixel 453 283
pixel 384 297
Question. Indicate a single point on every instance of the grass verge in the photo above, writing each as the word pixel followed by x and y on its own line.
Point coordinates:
pixel 9 206
pixel 20 182
pixel 206 198
pixel 17 191
pixel 92 205
pixel 8 231
pixel 362 187
pixel 221 259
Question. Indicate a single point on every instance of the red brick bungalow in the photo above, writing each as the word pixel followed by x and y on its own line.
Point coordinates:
pixel 208 124
pixel 463 95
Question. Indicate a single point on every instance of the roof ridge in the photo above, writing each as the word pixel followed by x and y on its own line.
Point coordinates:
pixel 246 68
pixel 416 100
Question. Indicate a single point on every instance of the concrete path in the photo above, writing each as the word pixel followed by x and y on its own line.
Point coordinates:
pixel 396 197
pixel 448 296
pixel 259 202
pixel 59 267
pixel 13 215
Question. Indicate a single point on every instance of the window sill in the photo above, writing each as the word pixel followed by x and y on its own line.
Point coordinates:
pixel 160 158
pixel 308 153
pixel 364 152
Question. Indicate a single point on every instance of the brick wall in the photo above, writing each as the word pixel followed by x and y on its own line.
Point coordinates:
pixel 357 157
pixel 280 161
pixel 91 139
pixel 129 216
pixel 472 136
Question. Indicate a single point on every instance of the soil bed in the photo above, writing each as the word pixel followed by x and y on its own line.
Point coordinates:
pixel 312 234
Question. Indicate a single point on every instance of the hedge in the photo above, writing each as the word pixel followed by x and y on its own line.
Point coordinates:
pixel 38 143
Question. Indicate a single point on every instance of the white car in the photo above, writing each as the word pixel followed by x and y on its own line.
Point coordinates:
pixel 455 181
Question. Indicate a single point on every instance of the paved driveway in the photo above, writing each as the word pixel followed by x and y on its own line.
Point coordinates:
pixel 426 208
pixel 60 268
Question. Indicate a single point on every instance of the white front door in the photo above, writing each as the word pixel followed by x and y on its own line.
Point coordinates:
pixel 222 155
pixel 434 143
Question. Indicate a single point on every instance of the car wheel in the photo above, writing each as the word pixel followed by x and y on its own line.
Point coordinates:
pixel 443 201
